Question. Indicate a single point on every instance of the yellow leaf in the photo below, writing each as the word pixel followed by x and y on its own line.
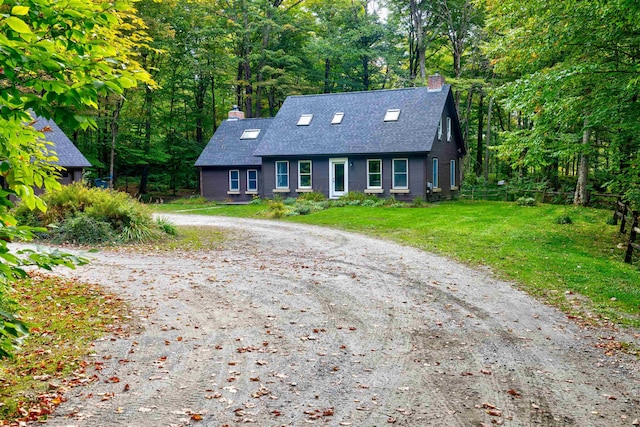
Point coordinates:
pixel 20 10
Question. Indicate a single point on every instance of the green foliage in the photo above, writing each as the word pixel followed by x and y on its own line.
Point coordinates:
pixel 564 219
pixel 166 226
pixel 314 196
pixel 256 201
pixel 92 215
pixel 277 208
pixel 526 201
pixel 83 229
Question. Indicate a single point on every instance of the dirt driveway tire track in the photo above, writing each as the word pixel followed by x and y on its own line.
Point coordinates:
pixel 293 325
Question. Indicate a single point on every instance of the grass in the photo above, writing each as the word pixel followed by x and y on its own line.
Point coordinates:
pixel 64 318
pixel 554 262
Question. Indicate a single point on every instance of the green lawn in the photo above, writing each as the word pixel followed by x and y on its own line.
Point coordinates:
pixel 553 262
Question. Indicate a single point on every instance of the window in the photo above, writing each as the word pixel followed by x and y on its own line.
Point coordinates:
pixel 250 134
pixel 252 180
pixel 374 173
pixel 440 130
pixel 448 128
pixel 400 173
pixel 304 174
pixel 234 180
pixel 337 118
pixel 392 115
pixel 305 119
pixel 435 173
pixel 282 174
pixel 452 173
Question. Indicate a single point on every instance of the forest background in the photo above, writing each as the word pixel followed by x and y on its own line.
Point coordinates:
pixel 546 90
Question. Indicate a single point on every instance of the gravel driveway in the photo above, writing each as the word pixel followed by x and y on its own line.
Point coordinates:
pixel 290 325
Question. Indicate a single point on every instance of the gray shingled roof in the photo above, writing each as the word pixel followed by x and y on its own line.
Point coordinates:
pixel 363 129
pixel 68 154
pixel 225 148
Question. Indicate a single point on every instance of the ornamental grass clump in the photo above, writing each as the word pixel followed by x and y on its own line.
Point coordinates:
pixel 81 215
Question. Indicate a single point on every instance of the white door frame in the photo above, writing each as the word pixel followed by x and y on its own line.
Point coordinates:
pixel 333 194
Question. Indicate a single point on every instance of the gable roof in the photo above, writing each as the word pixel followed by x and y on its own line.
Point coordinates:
pixel 227 147
pixel 68 154
pixel 363 129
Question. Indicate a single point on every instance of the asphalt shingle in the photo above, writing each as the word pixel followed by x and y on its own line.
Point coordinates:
pixel 226 148
pixel 363 129
pixel 68 154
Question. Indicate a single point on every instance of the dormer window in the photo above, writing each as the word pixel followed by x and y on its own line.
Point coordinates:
pixel 392 115
pixel 250 134
pixel 305 120
pixel 337 118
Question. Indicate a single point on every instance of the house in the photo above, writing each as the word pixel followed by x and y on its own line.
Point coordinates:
pixel 228 168
pixel 70 159
pixel 404 143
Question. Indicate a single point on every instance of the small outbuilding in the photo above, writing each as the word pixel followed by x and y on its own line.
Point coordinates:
pixel 70 159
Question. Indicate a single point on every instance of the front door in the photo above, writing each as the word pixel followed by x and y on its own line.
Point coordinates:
pixel 338 178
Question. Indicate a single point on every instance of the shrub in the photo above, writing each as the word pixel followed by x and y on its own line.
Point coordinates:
pixel 290 201
pixel 526 201
pixel 564 219
pixel 352 196
pixel 256 200
pixel 76 210
pixel 83 229
pixel 314 196
pixel 277 208
pixel 166 226
pixel 418 202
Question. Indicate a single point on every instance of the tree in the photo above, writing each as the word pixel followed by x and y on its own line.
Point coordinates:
pixel 576 71
pixel 56 57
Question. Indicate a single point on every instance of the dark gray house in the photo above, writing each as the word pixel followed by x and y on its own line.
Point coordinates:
pixel 70 158
pixel 228 168
pixel 404 143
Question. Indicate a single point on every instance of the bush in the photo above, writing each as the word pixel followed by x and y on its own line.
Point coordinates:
pixel 526 201
pixel 564 219
pixel 84 230
pixel 277 208
pixel 80 215
pixel 314 196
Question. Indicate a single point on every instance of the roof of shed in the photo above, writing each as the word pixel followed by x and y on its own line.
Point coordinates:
pixel 226 148
pixel 363 129
pixel 68 154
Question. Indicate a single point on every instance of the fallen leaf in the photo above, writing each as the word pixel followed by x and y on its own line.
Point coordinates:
pixel 196 417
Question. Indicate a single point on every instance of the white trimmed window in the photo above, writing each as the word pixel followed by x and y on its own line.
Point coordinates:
pixel 305 119
pixel 452 173
pixel 440 130
pixel 337 118
pixel 400 174
pixel 250 134
pixel 434 178
pixel 374 174
pixel 448 128
pixel 252 180
pixel 304 174
pixel 234 180
pixel 282 174
pixel 392 115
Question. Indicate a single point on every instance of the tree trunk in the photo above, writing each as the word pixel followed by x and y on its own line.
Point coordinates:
pixel 114 136
pixel 581 196
pixel 487 141
pixel 478 165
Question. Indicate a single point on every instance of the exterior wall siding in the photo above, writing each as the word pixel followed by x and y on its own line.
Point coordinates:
pixel 445 151
pixel 214 184
pixel 357 175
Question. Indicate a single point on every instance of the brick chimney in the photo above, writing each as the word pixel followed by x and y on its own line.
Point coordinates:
pixel 236 114
pixel 436 82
